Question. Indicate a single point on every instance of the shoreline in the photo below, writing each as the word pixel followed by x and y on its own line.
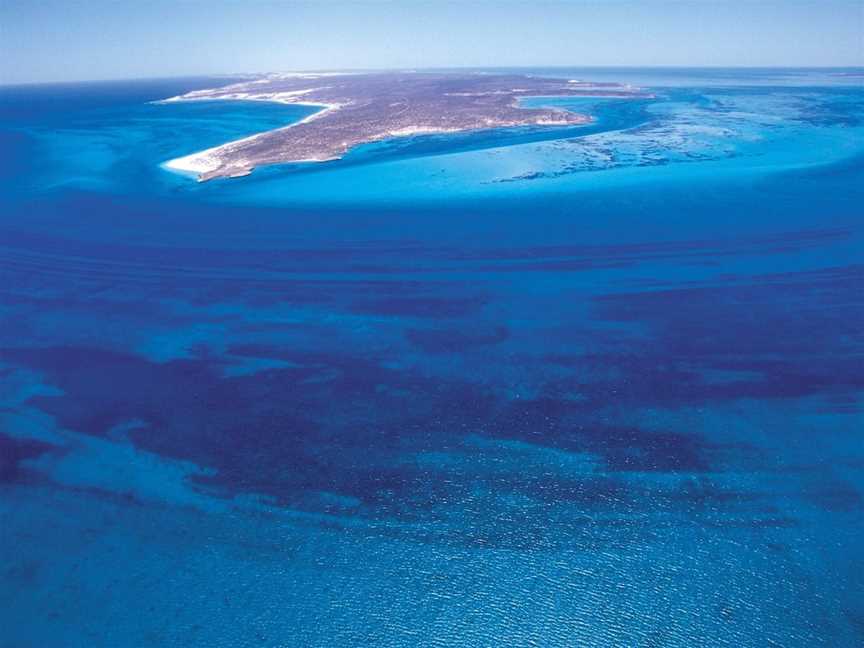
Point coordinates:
pixel 203 162
pixel 392 106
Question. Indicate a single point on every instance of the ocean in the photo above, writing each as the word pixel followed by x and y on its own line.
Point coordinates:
pixel 596 386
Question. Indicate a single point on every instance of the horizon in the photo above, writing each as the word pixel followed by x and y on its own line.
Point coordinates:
pixel 102 40
pixel 347 70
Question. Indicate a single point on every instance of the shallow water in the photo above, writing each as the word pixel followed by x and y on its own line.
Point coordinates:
pixel 601 386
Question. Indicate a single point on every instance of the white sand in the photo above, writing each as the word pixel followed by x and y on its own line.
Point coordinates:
pixel 211 159
pixel 196 163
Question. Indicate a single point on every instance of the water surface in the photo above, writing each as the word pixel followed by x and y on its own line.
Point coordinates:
pixel 595 387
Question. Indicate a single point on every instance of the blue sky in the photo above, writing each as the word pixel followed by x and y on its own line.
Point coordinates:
pixel 47 40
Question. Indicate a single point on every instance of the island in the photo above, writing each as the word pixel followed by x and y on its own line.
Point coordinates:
pixel 360 108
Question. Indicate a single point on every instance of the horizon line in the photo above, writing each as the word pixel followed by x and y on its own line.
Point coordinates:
pixel 214 75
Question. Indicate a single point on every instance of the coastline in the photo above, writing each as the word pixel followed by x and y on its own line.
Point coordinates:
pixel 394 106
pixel 203 162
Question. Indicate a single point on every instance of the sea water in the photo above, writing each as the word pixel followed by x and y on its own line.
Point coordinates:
pixel 600 386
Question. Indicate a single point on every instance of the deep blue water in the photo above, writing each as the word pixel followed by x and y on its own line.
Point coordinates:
pixel 599 386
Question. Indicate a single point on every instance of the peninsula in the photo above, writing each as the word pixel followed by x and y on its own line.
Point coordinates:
pixel 359 108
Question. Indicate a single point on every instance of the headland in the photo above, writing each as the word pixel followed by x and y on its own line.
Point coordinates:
pixel 360 108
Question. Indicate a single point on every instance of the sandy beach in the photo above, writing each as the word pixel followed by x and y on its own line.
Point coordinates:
pixel 208 160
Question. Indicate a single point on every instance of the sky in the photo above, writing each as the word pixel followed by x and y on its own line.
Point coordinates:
pixel 68 40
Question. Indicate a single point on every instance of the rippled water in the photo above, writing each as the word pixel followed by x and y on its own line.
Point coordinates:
pixel 603 389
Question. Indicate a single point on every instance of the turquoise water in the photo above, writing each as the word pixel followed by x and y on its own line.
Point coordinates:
pixel 600 386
